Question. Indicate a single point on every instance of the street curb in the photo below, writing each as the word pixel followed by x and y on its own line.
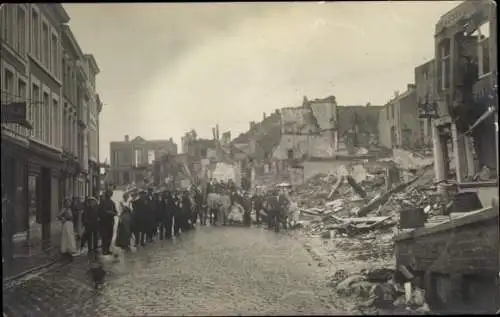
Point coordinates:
pixel 38 268
pixel 29 271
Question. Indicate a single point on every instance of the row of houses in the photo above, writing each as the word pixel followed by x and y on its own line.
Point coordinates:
pixel 50 123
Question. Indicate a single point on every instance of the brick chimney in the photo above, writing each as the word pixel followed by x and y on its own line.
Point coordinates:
pixel 127 138
pixel 263 116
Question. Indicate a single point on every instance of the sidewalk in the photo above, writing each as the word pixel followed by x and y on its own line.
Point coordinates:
pixel 25 264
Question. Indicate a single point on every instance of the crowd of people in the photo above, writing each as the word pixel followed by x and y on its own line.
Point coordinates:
pixel 149 214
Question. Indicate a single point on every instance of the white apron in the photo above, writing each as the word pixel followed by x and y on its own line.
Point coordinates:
pixel 68 243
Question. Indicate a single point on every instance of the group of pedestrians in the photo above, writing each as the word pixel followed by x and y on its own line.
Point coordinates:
pixel 146 215
pixel 87 221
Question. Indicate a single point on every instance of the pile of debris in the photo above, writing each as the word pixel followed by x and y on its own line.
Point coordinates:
pixel 362 207
pixel 376 290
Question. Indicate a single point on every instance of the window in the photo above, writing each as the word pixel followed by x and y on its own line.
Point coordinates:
pixel 151 156
pixel 64 76
pixel 9 89
pixel 138 157
pixel 45 44
pixel 46 119
pixel 483 52
pixel 444 52
pixel 35 37
pixel 116 158
pixel 9 26
pixel 21 30
pixel 35 111
pixel 54 56
pixel 55 114
pixel 21 91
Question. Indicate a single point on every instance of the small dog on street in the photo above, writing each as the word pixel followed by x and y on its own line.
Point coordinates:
pixel 97 272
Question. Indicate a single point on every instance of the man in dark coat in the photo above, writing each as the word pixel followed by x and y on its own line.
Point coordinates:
pixel 140 217
pixel 167 216
pixel 157 205
pixel 107 213
pixel 246 202
pixel 272 208
pixel 135 218
pixel 186 211
pixel 90 219
pixel 150 215
pixel 282 210
pixel 258 203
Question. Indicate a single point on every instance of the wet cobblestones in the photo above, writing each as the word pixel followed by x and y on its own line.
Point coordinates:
pixel 213 271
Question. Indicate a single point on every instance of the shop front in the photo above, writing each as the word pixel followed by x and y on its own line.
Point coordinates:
pixel 44 170
pixel 15 225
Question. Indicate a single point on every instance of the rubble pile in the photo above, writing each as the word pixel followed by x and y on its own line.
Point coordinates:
pixel 375 290
pixel 362 217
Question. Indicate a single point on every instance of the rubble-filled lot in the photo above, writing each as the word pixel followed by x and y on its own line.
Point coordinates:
pixel 348 224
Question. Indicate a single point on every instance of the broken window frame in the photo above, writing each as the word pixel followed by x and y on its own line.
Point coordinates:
pixel 480 50
pixel 445 63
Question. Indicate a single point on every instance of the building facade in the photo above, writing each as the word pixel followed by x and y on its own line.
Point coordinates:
pixel 399 126
pixel 465 89
pixel 132 160
pixel 425 78
pixel 31 73
pixel 309 130
pixel 35 150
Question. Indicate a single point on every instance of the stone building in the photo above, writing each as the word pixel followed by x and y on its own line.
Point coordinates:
pixel 399 126
pixel 308 131
pixel 425 78
pixel 39 149
pixel 132 160
pixel 466 87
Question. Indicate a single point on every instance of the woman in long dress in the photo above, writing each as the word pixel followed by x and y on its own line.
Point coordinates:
pixel 68 243
pixel 124 233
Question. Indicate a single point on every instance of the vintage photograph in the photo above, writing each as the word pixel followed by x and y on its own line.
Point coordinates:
pixel 249 158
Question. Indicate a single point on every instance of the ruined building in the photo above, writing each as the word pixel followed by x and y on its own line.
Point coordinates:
pixel 466 61
pixel 308 131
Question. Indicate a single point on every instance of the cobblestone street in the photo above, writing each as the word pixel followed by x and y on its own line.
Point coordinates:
pixel 214 271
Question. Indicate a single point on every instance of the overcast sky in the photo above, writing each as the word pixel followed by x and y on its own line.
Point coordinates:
pixel 167 68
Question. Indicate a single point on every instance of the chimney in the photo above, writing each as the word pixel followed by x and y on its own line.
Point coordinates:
pixel 396 94
pixel 411 86
pixel 127 138
pixel 263 116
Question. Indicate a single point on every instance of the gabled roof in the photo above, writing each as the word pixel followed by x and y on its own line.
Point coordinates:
pixel 138 139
